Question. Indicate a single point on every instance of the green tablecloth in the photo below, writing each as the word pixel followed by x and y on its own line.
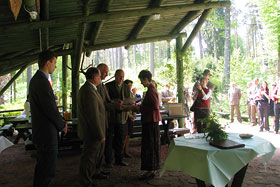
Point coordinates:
pixel 194 156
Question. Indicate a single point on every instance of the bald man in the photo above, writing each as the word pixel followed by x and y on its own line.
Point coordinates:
pixel 117 121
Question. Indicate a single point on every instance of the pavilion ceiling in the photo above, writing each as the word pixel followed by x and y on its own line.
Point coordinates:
pixel 90 24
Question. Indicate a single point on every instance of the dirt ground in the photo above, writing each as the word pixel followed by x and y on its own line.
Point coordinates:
pixel 17 168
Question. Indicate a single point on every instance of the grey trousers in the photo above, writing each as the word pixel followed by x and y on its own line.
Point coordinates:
pixel 236 107
pixel 91 160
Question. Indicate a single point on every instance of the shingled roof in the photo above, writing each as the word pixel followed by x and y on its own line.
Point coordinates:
pixel 90 25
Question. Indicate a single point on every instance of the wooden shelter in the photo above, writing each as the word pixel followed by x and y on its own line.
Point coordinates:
pixel 70 26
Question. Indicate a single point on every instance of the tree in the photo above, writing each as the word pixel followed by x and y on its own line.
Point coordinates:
pixel 226 78
pixel 270 13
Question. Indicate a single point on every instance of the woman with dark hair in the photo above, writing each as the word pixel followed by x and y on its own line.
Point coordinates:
pixel 263 106
pixel 201 104
pixel 150 117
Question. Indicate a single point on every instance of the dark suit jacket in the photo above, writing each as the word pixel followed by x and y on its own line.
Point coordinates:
pixel 150 106
pixel 46 119
pixel 109 104
pixel 115 94
pixel 91 114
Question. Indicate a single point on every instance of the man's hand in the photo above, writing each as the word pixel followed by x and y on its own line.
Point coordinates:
pixel 64 130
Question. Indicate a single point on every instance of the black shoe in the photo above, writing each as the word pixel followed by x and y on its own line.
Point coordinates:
pixel 105 172
pixel 261 130
pixel 147 176
pixel 100 176
pixel 122 163
pixel 126 155
pixel 108 165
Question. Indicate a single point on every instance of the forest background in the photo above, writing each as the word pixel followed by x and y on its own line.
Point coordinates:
pixel 236 44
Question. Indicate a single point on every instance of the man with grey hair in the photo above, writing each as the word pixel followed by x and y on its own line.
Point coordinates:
pixel 118 92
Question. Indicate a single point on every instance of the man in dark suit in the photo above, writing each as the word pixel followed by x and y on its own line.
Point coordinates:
pixel 46 120
pixel 91 127
pixel 118 92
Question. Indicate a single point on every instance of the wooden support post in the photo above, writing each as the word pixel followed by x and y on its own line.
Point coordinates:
pixel 44 32
pixel 196 29
pixel 180 75
pixel 12 80
pixel 64 82
pixel 76 61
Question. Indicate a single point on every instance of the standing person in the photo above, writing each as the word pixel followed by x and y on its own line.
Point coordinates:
pixel 234 95
pixel 276 97
pixel 248 100
pixel 253 101
pixel 271 101
pixel 46 120
pixel 134 91
pixel 116 129
pixel 206 73
pixel 201 104
pixel 167 95
pixel 129 125
pixel 91 127
pixel 150 117
pixel 263 106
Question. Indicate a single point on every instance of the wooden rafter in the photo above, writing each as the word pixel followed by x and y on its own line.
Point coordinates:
pixel 134 41
pixel 139 27
pixel 97 26
pixel 45 15
pixel 12 80
pixel 29 59
pixel 110 15
pixel 196 29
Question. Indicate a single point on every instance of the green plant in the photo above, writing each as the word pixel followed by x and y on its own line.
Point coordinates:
pixel 214 129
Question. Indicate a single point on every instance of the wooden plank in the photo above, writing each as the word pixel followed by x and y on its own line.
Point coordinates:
pixel 22 27
pixel 134 42
pixel 12 80
pixel 196 29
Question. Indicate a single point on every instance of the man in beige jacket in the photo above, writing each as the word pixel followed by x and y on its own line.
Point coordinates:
pixel 234 95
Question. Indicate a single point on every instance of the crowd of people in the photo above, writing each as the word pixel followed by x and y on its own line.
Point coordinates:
pixel 106 113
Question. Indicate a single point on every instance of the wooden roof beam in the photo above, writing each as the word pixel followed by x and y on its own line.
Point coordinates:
pixel 12 80
pixel 22 27
pixel 134 41
pixel 97 26
pixel 139 27
pixel 23 60
pixel 196 29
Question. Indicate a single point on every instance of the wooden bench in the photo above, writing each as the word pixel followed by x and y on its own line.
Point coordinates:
pixel 222 114
pixel 6 130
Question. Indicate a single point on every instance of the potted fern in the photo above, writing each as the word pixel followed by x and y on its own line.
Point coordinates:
pixel 214 129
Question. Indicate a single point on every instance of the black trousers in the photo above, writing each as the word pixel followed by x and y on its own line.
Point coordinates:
pixel 114 140
pixel 200 114
pixel 46 164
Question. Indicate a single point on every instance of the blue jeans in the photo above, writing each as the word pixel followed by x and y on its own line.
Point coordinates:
pixel 46 165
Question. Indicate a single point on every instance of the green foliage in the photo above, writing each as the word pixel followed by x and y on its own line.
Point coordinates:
pixel 214 129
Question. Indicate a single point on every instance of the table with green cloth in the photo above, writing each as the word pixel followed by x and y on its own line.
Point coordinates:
pixel 193 155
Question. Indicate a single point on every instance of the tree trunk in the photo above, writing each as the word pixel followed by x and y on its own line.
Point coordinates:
pixel 117 59
pixel 200 45
pixel 144 52
pixel 278 62
pixel 152 57
pixel 15 91
pixel 113 60
pixel 121 58
pixel 28 77
pixel 128 58
pixel 134 55
pixel 168 50
pixel 159 54
pixel 236 38
pixel 226 78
